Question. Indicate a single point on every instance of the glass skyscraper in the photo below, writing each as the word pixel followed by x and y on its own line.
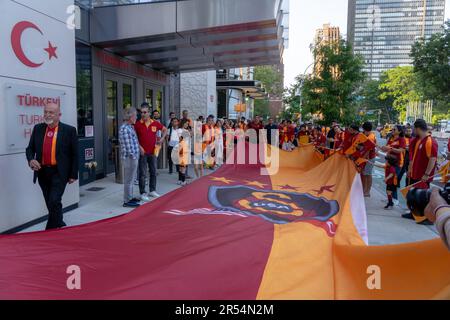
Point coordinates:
pixel 383 31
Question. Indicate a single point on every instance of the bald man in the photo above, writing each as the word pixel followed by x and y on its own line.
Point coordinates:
pixel 52 154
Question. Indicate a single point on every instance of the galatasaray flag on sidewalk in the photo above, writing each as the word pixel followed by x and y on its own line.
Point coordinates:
pixel 236 234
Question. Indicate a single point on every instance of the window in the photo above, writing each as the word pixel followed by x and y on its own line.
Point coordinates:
pixel 84 88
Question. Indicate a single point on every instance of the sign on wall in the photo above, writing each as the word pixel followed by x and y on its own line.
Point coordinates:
pixel 24 109
pixel 35 46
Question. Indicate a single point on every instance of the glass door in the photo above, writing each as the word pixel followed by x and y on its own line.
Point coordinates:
pixel 149 96
pixel 111 123
pixel 119 94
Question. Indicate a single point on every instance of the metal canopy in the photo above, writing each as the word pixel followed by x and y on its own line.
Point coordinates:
pixel 251 88
pixel 190 35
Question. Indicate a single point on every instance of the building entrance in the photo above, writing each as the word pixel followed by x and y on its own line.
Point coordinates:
pixel 119 93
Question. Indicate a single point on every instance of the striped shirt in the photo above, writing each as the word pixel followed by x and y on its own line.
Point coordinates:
pixel 129 145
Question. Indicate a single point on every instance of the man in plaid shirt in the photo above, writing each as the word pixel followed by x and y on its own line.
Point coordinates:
pixel 129 150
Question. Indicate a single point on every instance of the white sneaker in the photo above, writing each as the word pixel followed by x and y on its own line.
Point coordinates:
pixel 179 182
pixel 145 198
pixel 154 194
pixel 396 203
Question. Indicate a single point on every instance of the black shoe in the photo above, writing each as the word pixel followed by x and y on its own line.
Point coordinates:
pixel 136 200
pixel 389 206
pixel 130 204
pixel 408 216
pixel 426 223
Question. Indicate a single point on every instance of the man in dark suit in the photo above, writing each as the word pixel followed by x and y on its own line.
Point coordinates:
pixel 53 156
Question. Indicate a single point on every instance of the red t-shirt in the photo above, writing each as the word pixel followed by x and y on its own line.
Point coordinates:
pixel 209 133
pixel 49 147
pixel 291 133
pixel 420 152
pixel 338 140
pixel 320 140
pixel 399 143
pixel 372 153
pixel 347 140
pixel 256 126
pixel 387 171
pixel 147 134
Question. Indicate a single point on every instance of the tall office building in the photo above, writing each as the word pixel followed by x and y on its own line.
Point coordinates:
pixel 383 31
pixel 326 36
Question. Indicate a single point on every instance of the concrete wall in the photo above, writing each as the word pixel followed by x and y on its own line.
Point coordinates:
pixel 26 29
pixel 198 93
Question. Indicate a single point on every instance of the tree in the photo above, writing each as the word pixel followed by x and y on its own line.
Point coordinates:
pixel 292 100
pixel 272 81
pixel 399 84
pixel 331 92
pixel 374 108
pixel 432 67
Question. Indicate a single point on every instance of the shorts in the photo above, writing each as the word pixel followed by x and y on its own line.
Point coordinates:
pixel 391 187
pixel 368 169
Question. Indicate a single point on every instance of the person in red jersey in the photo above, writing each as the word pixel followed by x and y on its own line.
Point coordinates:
pixel 149 143
pixel 338 139
pixel 359 145
pixel 256 125
pixel 366 174
pixel 423 151
pixel 209 137
pixel 303 135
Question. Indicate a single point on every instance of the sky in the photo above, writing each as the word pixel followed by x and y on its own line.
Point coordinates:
pixel 305 17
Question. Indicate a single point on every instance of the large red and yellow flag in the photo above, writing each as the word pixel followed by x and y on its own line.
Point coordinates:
pixel 236 234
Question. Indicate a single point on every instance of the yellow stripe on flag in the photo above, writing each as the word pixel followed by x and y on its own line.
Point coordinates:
pixel 305 262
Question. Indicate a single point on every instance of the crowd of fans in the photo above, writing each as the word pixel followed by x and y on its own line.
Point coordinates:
pixel 410 151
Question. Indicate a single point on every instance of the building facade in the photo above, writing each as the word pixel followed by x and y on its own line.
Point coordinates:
pixel 38 65
pixel 96 58
pixel 383 31
pixel 236 87
pixel 325 36
pixel 198 93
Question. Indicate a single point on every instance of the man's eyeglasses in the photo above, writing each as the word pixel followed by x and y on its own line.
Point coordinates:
pixel 144 112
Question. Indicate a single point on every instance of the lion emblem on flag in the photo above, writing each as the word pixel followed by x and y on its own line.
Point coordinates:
pixel 278 207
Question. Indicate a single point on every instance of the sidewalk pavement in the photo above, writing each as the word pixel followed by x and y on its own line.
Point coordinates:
pixel 108 202
pixel 384 227
pixel 388 226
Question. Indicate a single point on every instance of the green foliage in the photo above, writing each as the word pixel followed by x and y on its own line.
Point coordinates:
pixel 438 117
pixel 399 84
pixel 291 101
pixel 262 108
pixel 373 107
pixel 330 93
pixel 272 81
pixel 432 68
